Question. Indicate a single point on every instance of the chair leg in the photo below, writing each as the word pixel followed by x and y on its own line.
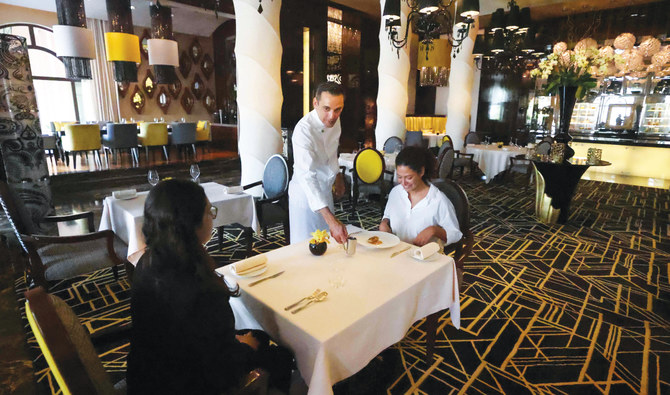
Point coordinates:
pixel 265 232
pixel 165 152
pixel 115 270
pixel 219 233
pixel 249 236
pixel 287 233
pixel 74 161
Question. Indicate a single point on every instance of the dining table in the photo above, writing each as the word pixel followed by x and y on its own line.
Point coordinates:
pixel 371 307
pixel 126 216
pixel 433 139
pixel 491 159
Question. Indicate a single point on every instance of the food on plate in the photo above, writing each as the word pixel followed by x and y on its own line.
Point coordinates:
pixel 374 240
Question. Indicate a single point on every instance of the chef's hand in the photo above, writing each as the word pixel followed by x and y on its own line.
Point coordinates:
pixel 338 230
pixel 339 188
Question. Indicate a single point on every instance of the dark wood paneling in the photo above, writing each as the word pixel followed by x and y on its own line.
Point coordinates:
pixel 223 41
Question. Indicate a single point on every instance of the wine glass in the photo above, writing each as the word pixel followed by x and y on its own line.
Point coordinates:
pixel 195 172
pixel 153 178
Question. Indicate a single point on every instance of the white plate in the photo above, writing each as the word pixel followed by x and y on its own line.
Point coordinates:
pixel 429 259
pixel 250 274
pixel 388 239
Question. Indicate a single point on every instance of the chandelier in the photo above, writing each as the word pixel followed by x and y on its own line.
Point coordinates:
pixel 429 19
pixel 509 43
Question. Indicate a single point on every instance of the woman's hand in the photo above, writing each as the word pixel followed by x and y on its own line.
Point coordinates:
pixel 424 236
pixel 384 226
pixel 248 339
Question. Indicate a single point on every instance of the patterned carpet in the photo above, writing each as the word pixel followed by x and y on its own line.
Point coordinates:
pixel 579 308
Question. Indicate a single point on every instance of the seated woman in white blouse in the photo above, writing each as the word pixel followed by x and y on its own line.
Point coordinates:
pixel 417 211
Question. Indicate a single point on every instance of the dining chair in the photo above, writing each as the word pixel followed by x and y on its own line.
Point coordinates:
pixel 183 136
pixel 543 147
pixel 272 206
pixel 457 196
pixel 81 139
pixel 51 258
pixel 369 170
pixel 447 140
pixel 519 164
pixel 472 138
pixel 121 136
pixel 392 144
pixel 50 145
pixel 445 164
pixel 415 138
pixel 203 135
pixel 153 134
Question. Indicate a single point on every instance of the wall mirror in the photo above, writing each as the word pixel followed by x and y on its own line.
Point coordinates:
pixel 198 87
pixel 149 83
pixel 187 100
pixel 137 100
pixel 175 88
pixel 163 99
pixel 196 51
pixel 209 101
pixel 144 45
pixel 184 64
pixel 123 88
pixel 207 66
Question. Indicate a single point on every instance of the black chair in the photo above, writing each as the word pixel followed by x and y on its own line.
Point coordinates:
pixel 121 136
pixel 459 199
pixel 415 139
pixel 472 138
pixel 272 207
pixel 182 136
pixel 463 160
pixel 392 144
pixel 519 164
pixel 448 141
pixel 445 164
pixel 543 147
pixel 51 258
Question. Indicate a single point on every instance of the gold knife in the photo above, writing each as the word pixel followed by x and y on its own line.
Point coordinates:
pixel 266 278
pixel 400 252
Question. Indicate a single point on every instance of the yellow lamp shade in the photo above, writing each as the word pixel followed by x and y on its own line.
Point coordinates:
pixel 122 47
pixel 439 55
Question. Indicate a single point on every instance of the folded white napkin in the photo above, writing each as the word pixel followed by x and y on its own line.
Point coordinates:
pixel 250 265
pixel 233 190
pixel 426 251
pixel 124 194
pixel 530 145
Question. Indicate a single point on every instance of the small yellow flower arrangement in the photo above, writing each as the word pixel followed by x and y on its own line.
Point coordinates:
pixel 319 242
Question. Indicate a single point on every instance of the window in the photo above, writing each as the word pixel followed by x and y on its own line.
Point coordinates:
pixel 58 98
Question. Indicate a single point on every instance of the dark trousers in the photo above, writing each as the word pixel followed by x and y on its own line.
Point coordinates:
pixel 276 360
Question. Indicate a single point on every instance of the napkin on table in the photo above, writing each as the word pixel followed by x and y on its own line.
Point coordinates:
pixel 232 190
pixel 250 265
pixel 124 194
pixel 426 251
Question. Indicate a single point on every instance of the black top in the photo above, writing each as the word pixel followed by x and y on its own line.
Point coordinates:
pixel 183 338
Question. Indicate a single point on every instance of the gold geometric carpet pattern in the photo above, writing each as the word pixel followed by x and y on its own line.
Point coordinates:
pixel 576 308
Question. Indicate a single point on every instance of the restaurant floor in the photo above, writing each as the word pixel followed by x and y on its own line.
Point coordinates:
pixel 576 308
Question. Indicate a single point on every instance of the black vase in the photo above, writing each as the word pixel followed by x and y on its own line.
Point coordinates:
pixel 318 248
pixel 567 96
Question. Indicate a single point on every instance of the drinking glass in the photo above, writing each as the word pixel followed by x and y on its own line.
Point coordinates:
pixel 336 273
pixel 153 178
pixel 195 172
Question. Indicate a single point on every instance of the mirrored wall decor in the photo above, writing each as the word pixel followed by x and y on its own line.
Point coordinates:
pixel 196 51
pixel 175 88
pixel 184 64
pixel 149 83
pixel 207 66
pixel 209 101
pixel 198 87
pixel 187 100
pixel 144 46
pixel 137 100
pixel 123 88
pixel 163 98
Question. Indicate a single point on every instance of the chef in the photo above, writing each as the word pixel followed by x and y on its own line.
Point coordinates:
pixel 316 175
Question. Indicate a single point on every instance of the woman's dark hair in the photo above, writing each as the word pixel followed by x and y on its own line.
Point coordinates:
pixel 417 158
pixel 173 212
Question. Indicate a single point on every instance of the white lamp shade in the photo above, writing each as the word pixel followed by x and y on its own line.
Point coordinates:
pixel 163 52
pixel 74 41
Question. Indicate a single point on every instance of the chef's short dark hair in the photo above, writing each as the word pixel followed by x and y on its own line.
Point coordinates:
pixel 333 88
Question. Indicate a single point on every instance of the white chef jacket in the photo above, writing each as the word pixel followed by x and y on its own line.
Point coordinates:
pixel 434 209
pixel 314 170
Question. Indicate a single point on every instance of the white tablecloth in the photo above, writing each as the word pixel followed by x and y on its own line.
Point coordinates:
pixel 491 159
pixel 332 340
pixel 126 217
pixel 434 140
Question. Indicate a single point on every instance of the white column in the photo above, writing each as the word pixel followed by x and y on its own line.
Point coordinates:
pixel 393 73
pixel 460 80
pixel 259 96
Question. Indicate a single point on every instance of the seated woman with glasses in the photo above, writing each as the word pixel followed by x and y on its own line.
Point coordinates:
pixel 183 338
pixel 417 211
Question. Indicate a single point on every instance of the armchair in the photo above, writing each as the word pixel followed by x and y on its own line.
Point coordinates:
pixel 459 199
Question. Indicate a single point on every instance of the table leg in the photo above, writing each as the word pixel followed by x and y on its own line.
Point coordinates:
pixel 249 235
pixel 219 233
pixel 431 333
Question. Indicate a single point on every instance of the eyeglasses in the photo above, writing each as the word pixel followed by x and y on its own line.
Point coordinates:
pixel 213 211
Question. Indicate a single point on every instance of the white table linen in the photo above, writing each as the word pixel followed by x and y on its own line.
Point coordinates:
pixel 491 159
pixel 434 140
pixel 332 340
pixel 126 217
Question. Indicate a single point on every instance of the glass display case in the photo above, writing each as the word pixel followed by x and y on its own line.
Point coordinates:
pixel 656 118
pixel 584 117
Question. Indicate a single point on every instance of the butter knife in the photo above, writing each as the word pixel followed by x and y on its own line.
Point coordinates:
pixel 266 278
pixel 400 252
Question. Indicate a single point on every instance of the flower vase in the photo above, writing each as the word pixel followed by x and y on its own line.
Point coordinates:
pixel 318 248
pixel 567 96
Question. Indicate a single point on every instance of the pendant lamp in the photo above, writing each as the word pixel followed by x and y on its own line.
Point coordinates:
pixel 122 46
pixel 163 49
pixel 73 42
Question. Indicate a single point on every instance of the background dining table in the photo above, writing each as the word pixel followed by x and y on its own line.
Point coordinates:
pixel 491 159
pixel 126 216
pixel 380 299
